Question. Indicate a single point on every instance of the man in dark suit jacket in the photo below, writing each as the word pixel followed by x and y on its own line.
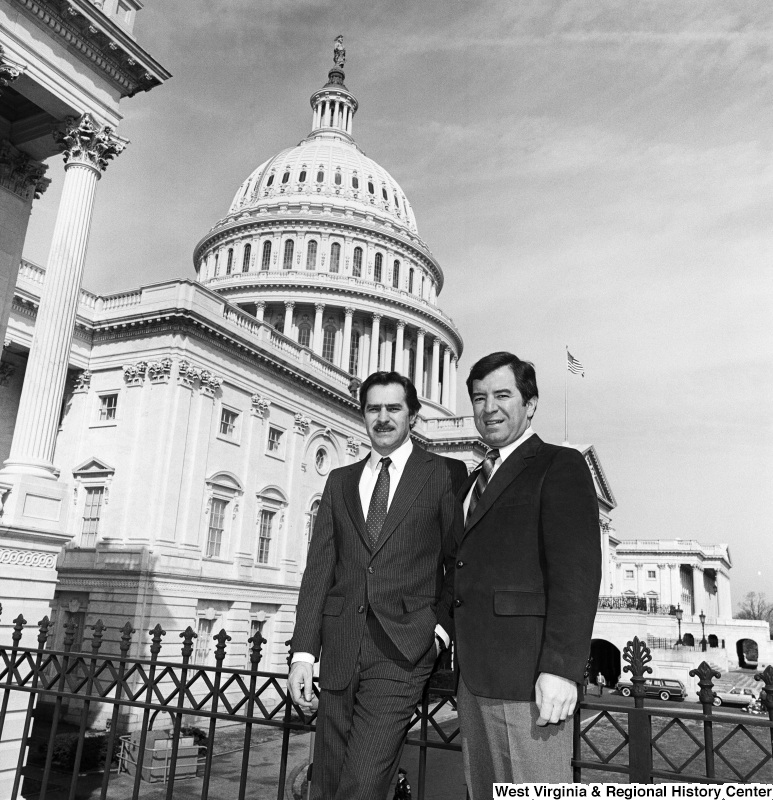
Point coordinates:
pixel 379 564
pixel 528 569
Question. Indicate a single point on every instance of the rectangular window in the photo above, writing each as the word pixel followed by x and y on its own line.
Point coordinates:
pixel 275 441
pixel 228 423
pixel 108 405
pixel 328 344
pixel 216 527
pixel 629 573
pixel 264 535
pixel 92 513
pixel 651 574
pixel 204 640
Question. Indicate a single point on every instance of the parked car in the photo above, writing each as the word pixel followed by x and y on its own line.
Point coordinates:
pixel 664 688
pixel 737 696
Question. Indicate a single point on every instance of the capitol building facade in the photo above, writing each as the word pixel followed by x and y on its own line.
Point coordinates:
pixel 200 419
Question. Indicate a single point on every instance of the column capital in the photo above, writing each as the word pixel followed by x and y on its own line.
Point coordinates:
pixel 20 174
pixel 289 304
pixel 349 311
pixel 400 323
pixel 377 316
pixel 447 349
pixel 260 304
pixel 84 141
pixel 319 307
pixel 421 332
pixel 10 70
pixel 437 341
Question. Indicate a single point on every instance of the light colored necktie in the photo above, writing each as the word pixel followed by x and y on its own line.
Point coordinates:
pixel 481 482
pixel 379 503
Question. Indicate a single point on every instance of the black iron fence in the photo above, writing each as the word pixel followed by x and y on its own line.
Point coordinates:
pixel 619 742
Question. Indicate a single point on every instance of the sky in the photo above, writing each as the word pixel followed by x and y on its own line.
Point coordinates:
pixel 594 174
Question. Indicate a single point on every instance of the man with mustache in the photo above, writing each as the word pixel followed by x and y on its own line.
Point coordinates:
pixel 379 564
pixel 528 570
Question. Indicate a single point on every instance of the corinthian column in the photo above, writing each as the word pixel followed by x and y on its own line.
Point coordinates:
pixel 346 345
pixel 399 346
pixel 418 378
pixel 434 393
pixel 374 343
pixel 316 343
pixel 446 395
pixel 88 146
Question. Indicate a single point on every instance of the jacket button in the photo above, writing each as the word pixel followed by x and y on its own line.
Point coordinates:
pixel 460 564
pixel 457 603
pixel 371 570
pixel 361 609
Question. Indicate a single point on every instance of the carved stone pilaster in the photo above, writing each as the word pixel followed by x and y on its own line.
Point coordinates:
pixel 10 70
pixel 209 382
pixel 301 424
pixel 85 141
pixel 260 405
pixel 134 374
pixel 21 174
pixel 159 371
pixel 187 373
pixel 82 382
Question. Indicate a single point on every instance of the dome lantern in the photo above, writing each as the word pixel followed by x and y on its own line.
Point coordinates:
pixel 334 106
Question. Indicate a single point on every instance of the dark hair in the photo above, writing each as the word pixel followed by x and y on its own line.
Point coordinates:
pixel 384 379
pixel 525 377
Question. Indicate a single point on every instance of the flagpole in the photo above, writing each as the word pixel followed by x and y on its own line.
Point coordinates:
pixel 566 398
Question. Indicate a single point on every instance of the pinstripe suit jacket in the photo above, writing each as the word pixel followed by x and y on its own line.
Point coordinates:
pixel 401 580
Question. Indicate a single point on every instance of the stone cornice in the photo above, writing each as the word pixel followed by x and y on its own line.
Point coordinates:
pixel 98 41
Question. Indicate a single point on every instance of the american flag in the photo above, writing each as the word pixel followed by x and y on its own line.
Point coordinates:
pixel 573 365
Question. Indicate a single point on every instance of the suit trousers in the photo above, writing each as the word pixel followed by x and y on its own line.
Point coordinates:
pixel 360 729
pixel 501 743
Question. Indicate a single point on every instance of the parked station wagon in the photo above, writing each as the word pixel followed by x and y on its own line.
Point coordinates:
pixel 664 688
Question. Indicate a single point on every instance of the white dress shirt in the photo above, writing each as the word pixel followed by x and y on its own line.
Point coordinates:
pixel 504 452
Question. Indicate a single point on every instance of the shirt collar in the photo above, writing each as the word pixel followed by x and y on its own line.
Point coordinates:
pixel 505 451
pixel 399 457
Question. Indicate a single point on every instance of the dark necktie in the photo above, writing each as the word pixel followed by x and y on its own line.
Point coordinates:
pixel 379 503
pixel 481 482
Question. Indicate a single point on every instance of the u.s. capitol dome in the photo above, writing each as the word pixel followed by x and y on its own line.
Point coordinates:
pixel 321 242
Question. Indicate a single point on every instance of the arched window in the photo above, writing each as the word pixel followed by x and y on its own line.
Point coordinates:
pixel 337 179
pixel 397 204
pixel 396 275
pixel 354 353
pixel 229 264
pixel 377 268
pixel 287 262
pixel 311 255
pixel 355 182
pixel 320 176
pixel 689 640
pixel 270 180
pixel 328 344
pixel 410 280
pixel 370 187
pixel 286 176
pixel 304 336
pixel 357 263
pixel 217 258
pixel 265 260
pixel 302 176
pixel 246 258
pixel 384 194
pixel 335 257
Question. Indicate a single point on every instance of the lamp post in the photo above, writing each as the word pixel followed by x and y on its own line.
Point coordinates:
pixel 679 613
pixel 702 618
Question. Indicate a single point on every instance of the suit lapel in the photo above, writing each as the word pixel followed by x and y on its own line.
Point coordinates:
pixel 416 473
pixel 351 491
pixel 503 477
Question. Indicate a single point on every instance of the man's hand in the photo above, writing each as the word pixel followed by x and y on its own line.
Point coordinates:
pixel 300 683
pixel 556 698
